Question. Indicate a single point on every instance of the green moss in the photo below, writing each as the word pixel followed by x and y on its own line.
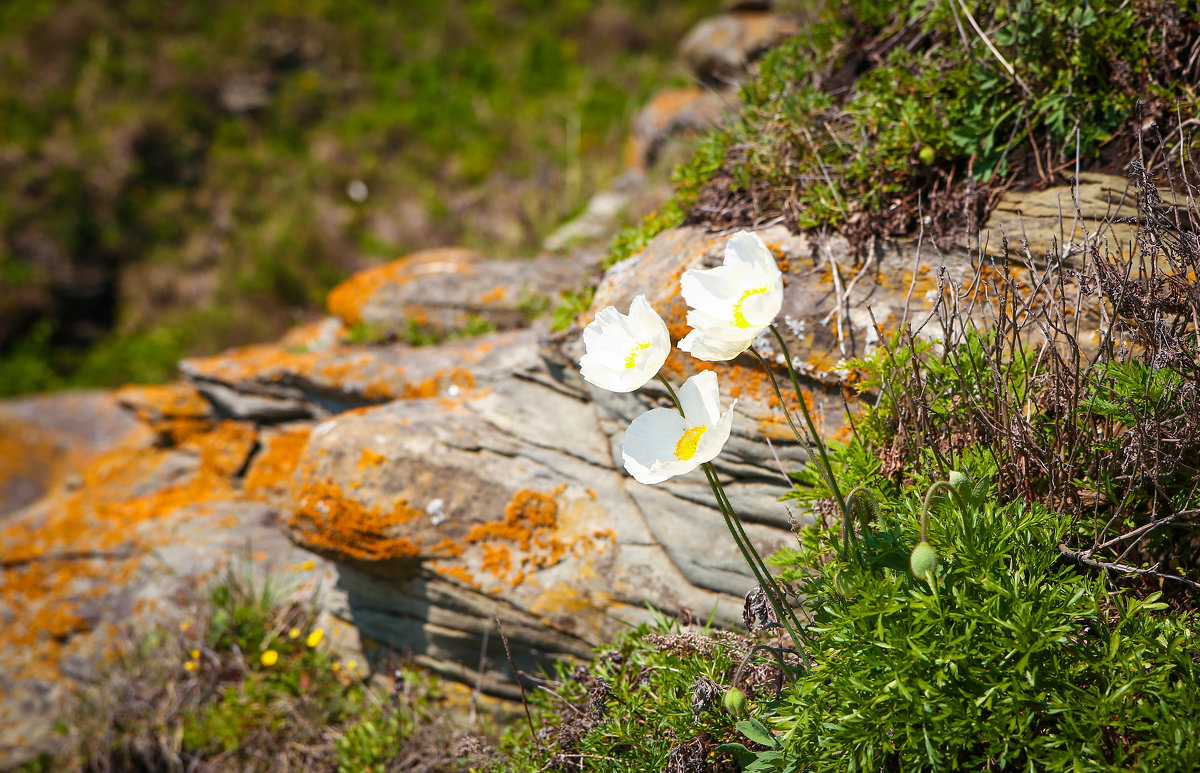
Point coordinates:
pixel 818 157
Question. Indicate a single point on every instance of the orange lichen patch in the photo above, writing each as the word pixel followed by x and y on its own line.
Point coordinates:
pixel 225 449
pixel 272 470
pixel 87 544
pixel 438 383
pixel 328 521
pixel 497 560
pixel 455 572
pixel 534 526
pixel 175 411
pixel 447 548
pixel 537 508
pixel 348 299
pixel 566 607
pixel 370 458
pixel 494 295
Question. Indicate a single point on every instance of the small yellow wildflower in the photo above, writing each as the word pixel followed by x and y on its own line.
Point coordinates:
pixel 351 665
pixel 315 637
pixel 336 667
pixel 185 626
pixel 308 566
pixel 189 666
pixel 294 633
pixel 269 658
pixel 195 654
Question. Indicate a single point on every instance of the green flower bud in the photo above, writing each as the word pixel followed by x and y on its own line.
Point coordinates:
pixel 927 155
pixel 959 479
pixel 842 584
pixel 923 562
pixel 735 702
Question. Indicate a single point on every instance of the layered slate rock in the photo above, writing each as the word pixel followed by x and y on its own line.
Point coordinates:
pixel 444 290
pixel 46 439
pixel 719 49
pixel 505 503
pixel 272 382
pixel 1065 215
pixel 140 530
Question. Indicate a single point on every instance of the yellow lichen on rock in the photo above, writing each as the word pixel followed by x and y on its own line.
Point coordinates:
pixel 175 411
pixel 272 471
pixel 347 300
pixel 329 522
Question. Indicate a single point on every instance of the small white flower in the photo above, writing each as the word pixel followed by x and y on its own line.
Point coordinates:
pixel 731 304
pixel 624 351
pixel 661 444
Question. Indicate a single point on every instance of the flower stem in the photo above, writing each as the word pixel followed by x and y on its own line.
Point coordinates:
pixel 762 575
pixel 812 428
pixel 775 595
pixel 933 489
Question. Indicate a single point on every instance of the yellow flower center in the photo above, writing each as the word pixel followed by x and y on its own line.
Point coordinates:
pixel 739 318
pixel 686 447
pixel 638 348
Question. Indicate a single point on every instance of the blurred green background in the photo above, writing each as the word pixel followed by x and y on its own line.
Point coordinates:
pixel 177 178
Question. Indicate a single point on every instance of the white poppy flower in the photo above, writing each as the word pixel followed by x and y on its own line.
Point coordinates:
pixel 728 306
pixel 661 443
pixel 624 351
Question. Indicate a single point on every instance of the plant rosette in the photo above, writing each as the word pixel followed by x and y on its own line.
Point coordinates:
pixel 661 443
pixel 728 306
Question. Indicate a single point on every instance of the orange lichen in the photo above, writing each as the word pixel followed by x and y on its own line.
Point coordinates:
pixel 370 458
pixel 536 507
pixel 272 470
pixel 566 607
pixel 348 299
pixel 455 572
pixel 436 384
pixel 175 411
pixel 493 295
pixel 447 548
pixel 328 521
pixel 89 542
pixel 225 449
pixel 497 560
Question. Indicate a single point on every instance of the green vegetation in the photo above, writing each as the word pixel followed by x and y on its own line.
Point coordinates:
pixel 251 685
pixel 881 112
pixel 179 181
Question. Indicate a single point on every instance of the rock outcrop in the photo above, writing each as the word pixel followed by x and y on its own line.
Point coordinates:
pixel 444 493
pixel 440 495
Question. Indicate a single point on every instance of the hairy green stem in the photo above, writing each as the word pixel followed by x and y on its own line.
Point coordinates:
pixel 775 596
pixel 762 575
pixel 812 428
pixel 859 494
pixel 933 489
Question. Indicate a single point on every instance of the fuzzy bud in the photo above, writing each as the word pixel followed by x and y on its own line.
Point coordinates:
pixel 735 702
pixel 843 585
pixel 923 562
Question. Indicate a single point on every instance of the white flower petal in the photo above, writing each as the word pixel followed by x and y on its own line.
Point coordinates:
pixel 623 352
pixel 648 450
pixel 746 252
pixel 732 303
pixel 712 290
pixel 701 399
pixel 714 440
pixel 714 348
pixel 661 443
